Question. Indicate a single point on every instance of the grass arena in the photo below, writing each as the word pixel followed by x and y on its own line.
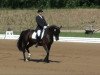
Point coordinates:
pixel 66 58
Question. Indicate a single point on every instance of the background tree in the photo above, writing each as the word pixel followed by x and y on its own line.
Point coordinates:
pixel 48 3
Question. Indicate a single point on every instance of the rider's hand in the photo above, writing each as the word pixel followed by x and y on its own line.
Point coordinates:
pixel 48 25
pixel 45 27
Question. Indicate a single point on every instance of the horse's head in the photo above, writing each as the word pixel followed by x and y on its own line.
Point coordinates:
pixel 56 32
pixel 53 30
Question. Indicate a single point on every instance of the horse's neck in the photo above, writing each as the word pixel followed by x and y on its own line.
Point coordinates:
pixel 49 34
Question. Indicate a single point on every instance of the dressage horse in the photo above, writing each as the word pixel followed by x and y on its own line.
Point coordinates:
pixel 25 41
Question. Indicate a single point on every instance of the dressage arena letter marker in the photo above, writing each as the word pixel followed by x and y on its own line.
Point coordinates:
pixel 8 34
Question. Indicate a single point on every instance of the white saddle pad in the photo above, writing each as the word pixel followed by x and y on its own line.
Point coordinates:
pixel 34 35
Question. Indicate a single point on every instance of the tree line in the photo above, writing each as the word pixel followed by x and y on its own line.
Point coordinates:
pixel 48 3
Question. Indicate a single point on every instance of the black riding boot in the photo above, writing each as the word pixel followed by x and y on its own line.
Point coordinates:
pixel 38 40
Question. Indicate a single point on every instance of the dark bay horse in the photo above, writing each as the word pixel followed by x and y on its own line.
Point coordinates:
pixel 25 41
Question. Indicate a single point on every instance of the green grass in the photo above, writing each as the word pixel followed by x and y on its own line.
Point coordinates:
pixel 79 34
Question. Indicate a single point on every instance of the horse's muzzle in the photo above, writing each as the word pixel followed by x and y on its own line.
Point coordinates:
pixel 57 38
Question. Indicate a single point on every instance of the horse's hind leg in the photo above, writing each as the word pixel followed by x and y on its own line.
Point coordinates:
pixel 24 56
pixel 24 51
pixel 29 54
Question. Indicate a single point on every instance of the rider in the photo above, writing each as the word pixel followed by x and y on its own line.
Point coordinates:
pixel 41 24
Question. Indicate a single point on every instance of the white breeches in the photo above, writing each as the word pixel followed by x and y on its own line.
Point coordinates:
pixel 38 32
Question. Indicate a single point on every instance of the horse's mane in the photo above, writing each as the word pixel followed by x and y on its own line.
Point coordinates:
pixel 52 27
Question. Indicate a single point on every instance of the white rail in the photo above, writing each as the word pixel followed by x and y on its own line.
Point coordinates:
pixel 61 39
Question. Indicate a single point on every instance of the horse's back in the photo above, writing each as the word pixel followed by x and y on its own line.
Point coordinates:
pixel 26 33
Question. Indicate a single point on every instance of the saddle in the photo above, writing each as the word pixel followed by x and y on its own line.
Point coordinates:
pixel 38 36
pixel 35 34
pixel 38 33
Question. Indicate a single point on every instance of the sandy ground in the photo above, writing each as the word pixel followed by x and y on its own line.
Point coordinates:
pixel 66 59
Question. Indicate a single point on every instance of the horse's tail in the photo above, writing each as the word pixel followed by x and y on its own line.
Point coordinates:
pixel 20 42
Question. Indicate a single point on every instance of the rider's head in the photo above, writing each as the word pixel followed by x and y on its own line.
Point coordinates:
pixel 40 11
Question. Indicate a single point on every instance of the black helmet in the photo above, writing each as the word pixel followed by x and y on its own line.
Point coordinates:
pixel 40 10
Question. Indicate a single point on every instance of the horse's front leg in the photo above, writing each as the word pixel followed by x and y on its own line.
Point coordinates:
pixel 46 59
pixel 47 49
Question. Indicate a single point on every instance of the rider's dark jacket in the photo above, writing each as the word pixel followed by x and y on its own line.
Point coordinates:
pixel 41 22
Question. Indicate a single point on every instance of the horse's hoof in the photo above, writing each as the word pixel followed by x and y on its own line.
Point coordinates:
pixel 26 60
pixel 46 61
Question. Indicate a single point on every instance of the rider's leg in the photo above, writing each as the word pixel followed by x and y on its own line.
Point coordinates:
pixel 39 33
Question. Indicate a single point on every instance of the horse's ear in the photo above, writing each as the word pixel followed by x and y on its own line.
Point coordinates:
pixel 60 27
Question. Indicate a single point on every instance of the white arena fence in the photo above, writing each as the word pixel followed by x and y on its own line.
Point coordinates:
pixel 11 36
